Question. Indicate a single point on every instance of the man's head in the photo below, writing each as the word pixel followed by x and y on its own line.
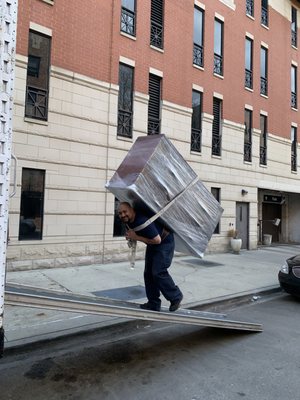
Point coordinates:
pixel 126 212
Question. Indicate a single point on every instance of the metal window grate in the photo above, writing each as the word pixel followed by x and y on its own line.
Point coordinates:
pixel 156 34
pixel 128 21
pixel 154 104
pixel 216 127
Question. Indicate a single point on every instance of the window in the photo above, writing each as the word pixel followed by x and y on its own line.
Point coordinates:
pixel 125 103
pixel 263 71
pixel 294 27
pixel 264 13
pixel 119 227
pixel 263 140
pixel 218 47
pixel 37 87
pixel 216 193
pixel 249 63
pixel 198 37
pixel 128 17
pixel 250 7
pixel 248 136
pixel 293 86
pixel 154 104
pixel 196 121
pixel 157 30
pixel 32 204
pixel 217 127
pixel 294 148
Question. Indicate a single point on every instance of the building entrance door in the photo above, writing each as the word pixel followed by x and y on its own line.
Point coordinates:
pixel 242 223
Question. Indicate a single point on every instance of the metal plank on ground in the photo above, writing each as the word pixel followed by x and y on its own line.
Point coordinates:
pixel 28 296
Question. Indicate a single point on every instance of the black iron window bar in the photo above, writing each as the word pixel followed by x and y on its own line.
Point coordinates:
pixel 198 55
pixel 36 103
pixel 294 38
pixel 216 144
pixel 218 64
pixel 264 16
pixel 294 161
pixel 263 86
pixel 263 155
pixel 294 99
pixel 248 151
pixel 248 79
pixel 124 123
pixel 196 140
pixel 128 21
pixel 153 126
pixel 250 7
pixel 156 37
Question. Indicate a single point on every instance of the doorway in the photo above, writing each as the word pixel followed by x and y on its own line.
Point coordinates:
pixel 270 212
pixel 242 223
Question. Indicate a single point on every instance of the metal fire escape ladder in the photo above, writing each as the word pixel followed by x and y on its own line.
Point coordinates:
pixel 8 26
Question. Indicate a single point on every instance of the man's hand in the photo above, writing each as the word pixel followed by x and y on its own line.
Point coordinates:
pixel 131 235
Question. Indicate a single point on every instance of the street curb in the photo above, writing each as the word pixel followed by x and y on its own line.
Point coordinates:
pixel 214 305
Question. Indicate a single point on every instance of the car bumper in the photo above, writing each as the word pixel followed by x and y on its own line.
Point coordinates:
pixel 289 283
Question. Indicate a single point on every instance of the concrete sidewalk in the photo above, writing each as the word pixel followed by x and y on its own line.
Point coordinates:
pixel 216 277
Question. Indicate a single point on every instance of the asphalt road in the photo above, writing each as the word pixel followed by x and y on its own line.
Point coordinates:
pixel 156 361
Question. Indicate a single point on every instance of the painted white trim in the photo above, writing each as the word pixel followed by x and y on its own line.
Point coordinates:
pixel 263 44
pixel 265 113
pixel 218 95
pixel 41 29
pixel 248 107
pixel 155 71
pixel 220 17
pixel 249 36
pixel 229 3
pixel 198 88
pixel 294 63
pixel 294 124
pixel 198 4
pixel 127 61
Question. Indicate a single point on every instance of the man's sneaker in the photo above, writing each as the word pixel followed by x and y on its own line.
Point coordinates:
pixel 175 304
pixel 149 306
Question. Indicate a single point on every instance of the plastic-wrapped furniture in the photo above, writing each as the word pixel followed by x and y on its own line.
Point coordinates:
pixel 155 176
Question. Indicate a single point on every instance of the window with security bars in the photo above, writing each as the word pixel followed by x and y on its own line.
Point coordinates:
pixel 128 17
pixel 249 63
pixel 248 136
pixel 125 101
pixel 264 13
pixel 294 27
pixel 263 139
pixel 157 21
pixel 218 47
pixel 216 192
pixel 293 86
pixel 217 127
pixel 37 85
pixel 154 104
pixel 250 7
pixel 198 52
pixel 196 121
pixel 294 148
pixel 32 204
pixel 263 71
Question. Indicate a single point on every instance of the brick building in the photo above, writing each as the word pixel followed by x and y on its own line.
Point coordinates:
pixel 218 77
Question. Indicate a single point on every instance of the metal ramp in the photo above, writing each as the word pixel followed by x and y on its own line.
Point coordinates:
pixel 28 296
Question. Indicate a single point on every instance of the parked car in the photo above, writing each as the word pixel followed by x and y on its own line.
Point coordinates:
pixel 289 276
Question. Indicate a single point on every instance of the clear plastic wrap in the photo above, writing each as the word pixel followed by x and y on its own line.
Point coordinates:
pixel 152 175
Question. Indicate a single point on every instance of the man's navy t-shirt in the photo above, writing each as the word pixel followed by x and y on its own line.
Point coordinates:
pixel 152 230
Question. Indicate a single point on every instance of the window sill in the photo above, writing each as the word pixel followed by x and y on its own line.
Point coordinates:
pixel 249 89
pixel 198 67
pixel 51 2
pixel 250 16
pixel 265 26
pixel 264 96
pixel 127 35
pixel 294 109
pixel 157 49
pixel 35 121
pixel 218 76
pixel 294 172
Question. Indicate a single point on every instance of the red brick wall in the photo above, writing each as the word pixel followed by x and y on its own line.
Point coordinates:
pixel 83 36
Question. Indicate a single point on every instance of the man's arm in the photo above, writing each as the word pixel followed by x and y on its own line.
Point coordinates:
pixel 133 236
